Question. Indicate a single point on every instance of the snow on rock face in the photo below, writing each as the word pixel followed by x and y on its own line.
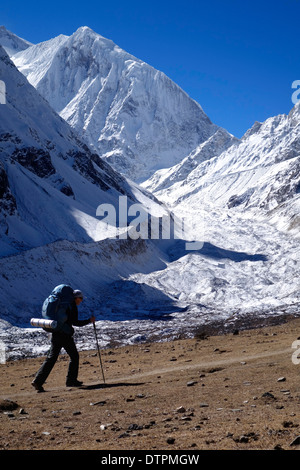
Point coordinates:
pixel 50 182
pixel 133 115
pixel 259 174
pixel 229 190
pixel 211 148
pixel 12 43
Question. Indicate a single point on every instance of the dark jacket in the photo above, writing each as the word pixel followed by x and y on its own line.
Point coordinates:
pixel 73 320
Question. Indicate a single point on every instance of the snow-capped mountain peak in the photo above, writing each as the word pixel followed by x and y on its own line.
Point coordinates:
pixel 12 43
pixel 258 175
pixel 47 173
pixel 133 115
pixel 236 194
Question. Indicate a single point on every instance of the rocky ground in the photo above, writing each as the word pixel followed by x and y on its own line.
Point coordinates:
pixel 236 391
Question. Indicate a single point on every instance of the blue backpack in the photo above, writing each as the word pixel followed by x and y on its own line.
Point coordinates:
pixel 56 305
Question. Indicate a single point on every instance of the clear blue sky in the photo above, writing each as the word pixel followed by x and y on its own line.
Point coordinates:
pixel 237 58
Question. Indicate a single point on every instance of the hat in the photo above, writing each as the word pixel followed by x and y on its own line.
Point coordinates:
pixel 77 294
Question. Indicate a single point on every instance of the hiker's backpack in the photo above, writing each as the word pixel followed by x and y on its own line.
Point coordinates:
pixel 56 305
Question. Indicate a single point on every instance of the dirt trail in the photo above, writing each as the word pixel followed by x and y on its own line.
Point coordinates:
pixel 224 392
pixel 166 370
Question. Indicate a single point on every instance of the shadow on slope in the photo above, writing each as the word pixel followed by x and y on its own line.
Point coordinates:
pixel 109 385
pixel 129 300
pixel 178 250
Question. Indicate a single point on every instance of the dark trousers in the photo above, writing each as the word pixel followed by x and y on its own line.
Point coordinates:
pixel 59 341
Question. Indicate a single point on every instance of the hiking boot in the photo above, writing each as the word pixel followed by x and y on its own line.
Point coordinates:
pixel 39 388
pixel 73 383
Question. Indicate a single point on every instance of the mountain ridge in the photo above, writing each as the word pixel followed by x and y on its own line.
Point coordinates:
pixel 230 191
pixel 45 167
pixel 258 174
pixel 11 42
pixel 133 115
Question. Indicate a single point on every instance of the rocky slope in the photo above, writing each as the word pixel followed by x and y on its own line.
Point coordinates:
pixel 240 204
pixel 51 183
pixel 229 392
pixel 258 175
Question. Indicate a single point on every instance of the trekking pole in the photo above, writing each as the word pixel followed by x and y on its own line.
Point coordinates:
pixel 98 351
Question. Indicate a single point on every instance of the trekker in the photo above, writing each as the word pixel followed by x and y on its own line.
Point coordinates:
pixel 64 339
